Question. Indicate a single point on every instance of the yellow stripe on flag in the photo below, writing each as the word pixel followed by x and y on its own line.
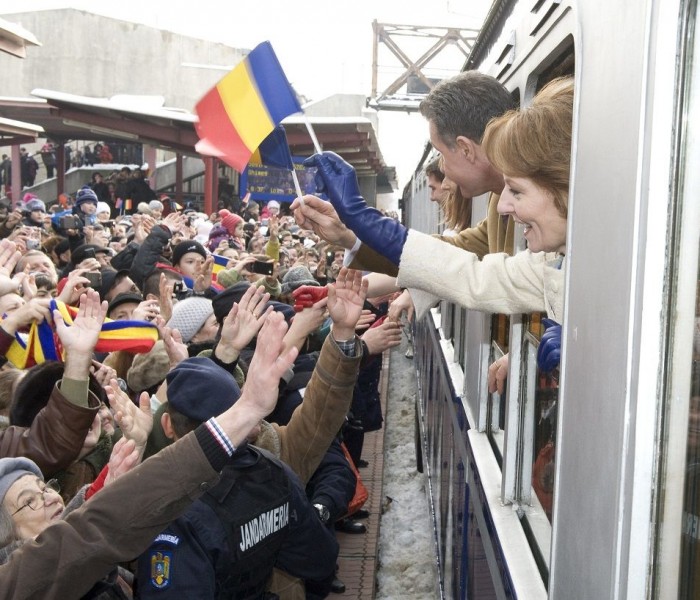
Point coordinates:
pixel 245 108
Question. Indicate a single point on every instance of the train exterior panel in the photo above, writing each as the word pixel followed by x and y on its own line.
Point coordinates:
pixel 581 485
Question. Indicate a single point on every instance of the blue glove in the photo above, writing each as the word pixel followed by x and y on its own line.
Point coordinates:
pixel 337 179
pixel 549 350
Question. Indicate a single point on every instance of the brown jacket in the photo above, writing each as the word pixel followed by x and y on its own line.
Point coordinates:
pixel 117 524
pixel 56 435
pixel 493 234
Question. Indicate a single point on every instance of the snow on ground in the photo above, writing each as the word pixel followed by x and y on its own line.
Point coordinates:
pixel 407 552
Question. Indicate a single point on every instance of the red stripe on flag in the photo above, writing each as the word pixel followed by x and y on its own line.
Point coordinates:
pixel 218 131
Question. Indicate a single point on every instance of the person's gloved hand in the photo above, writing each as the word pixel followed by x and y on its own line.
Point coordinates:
pixel 307 295
pixel 337 179
pixel 549 350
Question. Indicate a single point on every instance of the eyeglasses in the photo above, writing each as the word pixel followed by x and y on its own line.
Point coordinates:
pixel 38 499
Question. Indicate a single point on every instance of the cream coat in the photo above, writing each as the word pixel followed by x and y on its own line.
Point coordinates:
pixel 524 283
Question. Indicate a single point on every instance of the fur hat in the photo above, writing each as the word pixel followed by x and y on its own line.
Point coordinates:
pixel 296 277
pixel 188 246
pixel 85 194
pixel 148 369
pixel 34 204
pixel 189 315
pixel 200 389
pixel 11 469
pixel 230 221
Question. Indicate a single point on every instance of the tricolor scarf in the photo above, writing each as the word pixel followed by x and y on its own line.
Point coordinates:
pixel 43 344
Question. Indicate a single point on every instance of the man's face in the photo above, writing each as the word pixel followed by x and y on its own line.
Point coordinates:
pixel 123 312
pixel 125 285
pixel 435 186
pixel 42 264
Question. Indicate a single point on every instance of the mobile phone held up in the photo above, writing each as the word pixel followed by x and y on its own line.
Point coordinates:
pixel 95 279
pixel 262 267
pixel 69 222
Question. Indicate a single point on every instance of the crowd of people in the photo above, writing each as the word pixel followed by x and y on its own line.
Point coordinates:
pixel 186 395
pixel 79 410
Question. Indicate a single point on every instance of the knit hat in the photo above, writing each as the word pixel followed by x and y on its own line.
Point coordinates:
pixel 103 207
pixel 188 246
pixel 200 389
pixel 296 277
pixel 189 315
pixel 34 204
pixel 155 205
pixel 85 194
pixel 148 369
pixel 223 302
pixel 229 221
pixel 273 204
pixel 11 469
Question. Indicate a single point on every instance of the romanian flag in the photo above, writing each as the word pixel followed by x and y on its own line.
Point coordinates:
pixel 274 151
pixel 41 344
pixel 242 109
pixel 220 263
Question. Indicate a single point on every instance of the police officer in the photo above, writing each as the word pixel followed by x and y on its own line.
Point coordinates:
pixel 256 518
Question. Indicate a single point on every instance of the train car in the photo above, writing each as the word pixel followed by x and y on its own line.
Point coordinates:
pixel 583 484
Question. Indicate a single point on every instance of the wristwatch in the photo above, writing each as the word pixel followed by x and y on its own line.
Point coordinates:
pixel 323 513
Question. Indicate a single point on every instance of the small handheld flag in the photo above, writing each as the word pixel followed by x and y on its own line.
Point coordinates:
pixel 237 114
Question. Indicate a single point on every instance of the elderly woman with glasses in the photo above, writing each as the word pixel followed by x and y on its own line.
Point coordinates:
pixel 28 505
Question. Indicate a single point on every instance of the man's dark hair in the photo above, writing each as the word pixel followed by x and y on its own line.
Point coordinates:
pixel 433 169
pixel 182 425
pixel 152 283
pixel 464 104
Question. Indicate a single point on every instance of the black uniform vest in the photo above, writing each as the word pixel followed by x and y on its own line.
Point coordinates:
pixel 253 506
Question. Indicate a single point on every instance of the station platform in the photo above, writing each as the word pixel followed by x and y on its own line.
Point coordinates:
pixel 358 559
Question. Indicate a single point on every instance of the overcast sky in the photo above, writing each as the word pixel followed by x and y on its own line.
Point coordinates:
pixel 325 46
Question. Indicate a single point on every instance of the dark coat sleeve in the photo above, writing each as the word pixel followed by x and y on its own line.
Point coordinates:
pixel 333 483
pixel 149 254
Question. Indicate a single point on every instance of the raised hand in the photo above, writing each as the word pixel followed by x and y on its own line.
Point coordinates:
pixel 243 323
pixel 313 213
pixel 338 179
pixel 384 336
pixel 165 295
pixel 268 364
pixel 136 422
pixel 102 373
pixel 9 255
pixel 402 304
pixel 345 301
pixel 203 280
pixel 81 337
pixel 175 348
pixel 306 296
pixel 125 456
pixel 36 309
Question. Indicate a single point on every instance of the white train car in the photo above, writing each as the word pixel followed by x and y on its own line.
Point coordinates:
pixel 585 484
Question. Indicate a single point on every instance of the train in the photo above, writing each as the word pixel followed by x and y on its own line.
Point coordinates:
pixel 584 483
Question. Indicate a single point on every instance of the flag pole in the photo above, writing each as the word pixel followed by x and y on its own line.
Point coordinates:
pixel 297 187
pixel 314 139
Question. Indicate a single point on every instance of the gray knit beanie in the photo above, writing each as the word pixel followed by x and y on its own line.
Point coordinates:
pixel 11 469
pixel 189 315
pixel 296 277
